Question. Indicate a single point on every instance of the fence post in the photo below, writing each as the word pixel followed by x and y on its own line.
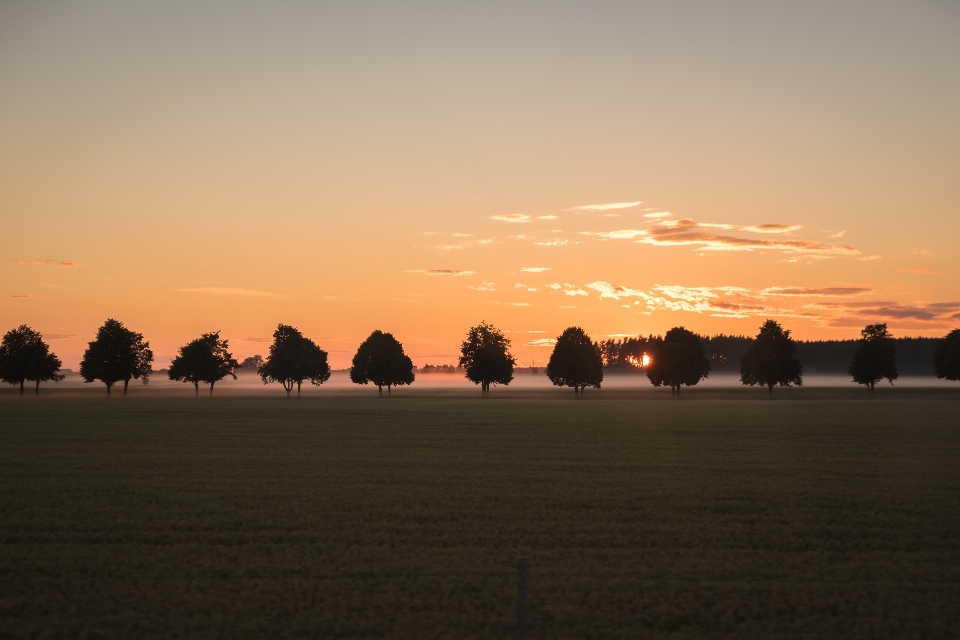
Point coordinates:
pixel 522 598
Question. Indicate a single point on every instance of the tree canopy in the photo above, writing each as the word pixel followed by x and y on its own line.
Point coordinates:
pixel 380 359
pixel 485 357
pixel 25 356
pixel 771 359
pixel 875 357
pixel 946 357
pixel 680 360
pixel 205 359
pixel 116 354
pixel 576 361
pixel 294 358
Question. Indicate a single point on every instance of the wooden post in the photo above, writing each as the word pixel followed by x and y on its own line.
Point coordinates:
pixel 522 598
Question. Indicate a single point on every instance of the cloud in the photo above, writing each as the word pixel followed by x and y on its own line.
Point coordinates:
pixel 869 258
pixel 59 336
pixel 484 286
pixel 511 217
pixel 541 342
pixel 814 291
pixel 228 291
pixel 535 269
pixel 687 232
pixel 441 272
pixel 546 217
pixel 535 331
pixel 605 207
pixel 553 242
pixel 568 289
pixel 773 228
pixel 66 264
pixel 462 235
pixel 28 295
pixel 523 286
pixel 658 214
pixel 612 292
pixel 925 272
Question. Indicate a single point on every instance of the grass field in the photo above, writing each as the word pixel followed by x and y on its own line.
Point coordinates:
pixel 818 514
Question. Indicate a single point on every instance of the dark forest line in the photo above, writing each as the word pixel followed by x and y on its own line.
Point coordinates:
pixel 914 355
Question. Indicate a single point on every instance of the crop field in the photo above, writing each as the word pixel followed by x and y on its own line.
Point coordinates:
pixel 818 514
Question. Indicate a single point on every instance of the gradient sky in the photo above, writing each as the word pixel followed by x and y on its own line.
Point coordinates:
pixel 627 167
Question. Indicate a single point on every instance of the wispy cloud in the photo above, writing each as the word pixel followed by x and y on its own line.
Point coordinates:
pixel 541 342
pixel 605 207
pixel 546 217
pixel 535 269
pixel 552 242
pixel 59 336
pixel 868 258
pixel 687 232
pixel 66 264
pixel 524 287
pixel 658 214
pixel 568 289
pixel 814 291
pixel 229 291
pixel 462 235
pixel 484 286
pixel 28 295
pixel 441 272
pixel 511 217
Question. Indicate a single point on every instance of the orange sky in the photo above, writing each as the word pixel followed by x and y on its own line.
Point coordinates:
pixel 619 166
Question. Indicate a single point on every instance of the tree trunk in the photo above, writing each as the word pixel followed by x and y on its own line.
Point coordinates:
pixel 21 388
pixel 770 390
pixel 299 382
pixel 389 391
pixel 37 390
pixel 196 388
pixel 211 388
pixel 380 390
pixel 125 383
pixel 109 384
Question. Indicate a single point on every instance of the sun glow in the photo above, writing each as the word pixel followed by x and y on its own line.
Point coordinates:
pixel 640 362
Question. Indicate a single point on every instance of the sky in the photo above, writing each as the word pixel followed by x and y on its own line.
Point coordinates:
pixel 420 167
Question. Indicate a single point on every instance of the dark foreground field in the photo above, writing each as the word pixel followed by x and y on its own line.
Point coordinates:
pixel 818 514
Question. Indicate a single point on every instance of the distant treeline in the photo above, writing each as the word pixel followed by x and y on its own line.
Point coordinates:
pixel 914 355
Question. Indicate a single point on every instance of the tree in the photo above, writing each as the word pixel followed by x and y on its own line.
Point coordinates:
pixel 253 363
pixel 293 359
pixel 25 356
pixel 946 357
pixel 486 358
pixel 680 360
pixel 206 359
pixel 576 361
pixel 381 360
pixel 116 354
pixel 875 357
pixel 770 359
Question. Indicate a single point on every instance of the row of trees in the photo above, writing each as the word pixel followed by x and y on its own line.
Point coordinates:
pixel 678 359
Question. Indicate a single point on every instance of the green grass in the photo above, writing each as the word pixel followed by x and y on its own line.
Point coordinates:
pixel 817 514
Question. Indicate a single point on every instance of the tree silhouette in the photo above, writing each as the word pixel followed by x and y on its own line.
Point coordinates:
pixel 293 359
pixel 486 358
pixel 875 357
pixel 680 360
pixel 25 356
pixel 770 359
pixel 253 363
pixel 116 354
pixel 205 359
pixel 946 357
pixel 380 359
pixel 576 361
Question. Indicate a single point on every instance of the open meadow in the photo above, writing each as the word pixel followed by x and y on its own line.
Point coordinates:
pixel 818 514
